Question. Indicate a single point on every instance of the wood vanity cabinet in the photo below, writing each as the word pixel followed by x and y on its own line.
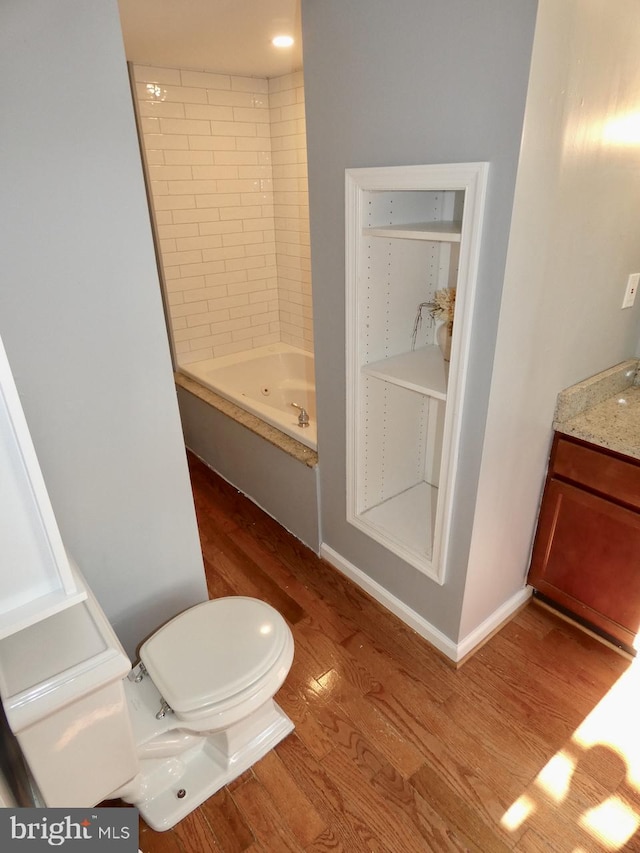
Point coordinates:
pixel 586 555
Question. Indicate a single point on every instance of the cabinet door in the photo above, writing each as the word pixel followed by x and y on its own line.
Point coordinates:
pixel 587 558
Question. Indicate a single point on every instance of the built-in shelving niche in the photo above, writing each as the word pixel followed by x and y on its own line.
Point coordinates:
pixel 410 230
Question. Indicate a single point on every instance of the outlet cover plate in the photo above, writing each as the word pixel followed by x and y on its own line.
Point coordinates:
pixel 632 288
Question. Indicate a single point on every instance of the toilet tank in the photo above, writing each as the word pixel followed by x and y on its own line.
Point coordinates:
pixel 62 691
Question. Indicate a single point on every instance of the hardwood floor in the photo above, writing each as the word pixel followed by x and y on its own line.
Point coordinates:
pixel 531 746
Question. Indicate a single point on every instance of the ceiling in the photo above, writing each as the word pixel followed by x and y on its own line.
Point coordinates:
pixel 228 36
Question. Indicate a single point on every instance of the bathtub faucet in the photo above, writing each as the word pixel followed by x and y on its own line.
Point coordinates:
pixel 303 417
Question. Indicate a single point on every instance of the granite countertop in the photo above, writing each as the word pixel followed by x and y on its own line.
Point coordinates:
pixel 604 409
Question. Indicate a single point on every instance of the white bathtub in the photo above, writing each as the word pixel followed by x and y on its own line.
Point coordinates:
pixel 265 381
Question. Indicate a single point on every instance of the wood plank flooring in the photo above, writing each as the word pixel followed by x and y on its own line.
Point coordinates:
pixel 396 751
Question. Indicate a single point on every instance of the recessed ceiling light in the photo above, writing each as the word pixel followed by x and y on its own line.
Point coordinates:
pixel 282 41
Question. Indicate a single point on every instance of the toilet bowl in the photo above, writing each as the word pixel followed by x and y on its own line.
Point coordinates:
pixel 195 713
pixel 201 703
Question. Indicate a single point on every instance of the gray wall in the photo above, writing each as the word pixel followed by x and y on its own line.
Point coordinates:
pixel 80 312
pixel 409 82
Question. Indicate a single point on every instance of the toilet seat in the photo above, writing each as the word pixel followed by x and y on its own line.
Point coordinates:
pixel 217 653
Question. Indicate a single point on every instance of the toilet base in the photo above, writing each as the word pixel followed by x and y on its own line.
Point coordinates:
pixel 202 770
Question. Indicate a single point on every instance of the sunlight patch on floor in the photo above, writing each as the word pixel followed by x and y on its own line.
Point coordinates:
pixel 608 738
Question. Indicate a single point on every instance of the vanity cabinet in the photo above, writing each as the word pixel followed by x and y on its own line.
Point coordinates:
pixel 586 555
pixel 410 231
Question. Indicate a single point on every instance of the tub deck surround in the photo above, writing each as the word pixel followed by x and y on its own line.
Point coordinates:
pixel 274 383
pixel 604 409
pixel 253 423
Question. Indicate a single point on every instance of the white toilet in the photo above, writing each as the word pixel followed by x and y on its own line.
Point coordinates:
pixel 192 716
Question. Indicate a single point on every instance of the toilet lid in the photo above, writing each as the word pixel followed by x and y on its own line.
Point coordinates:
pixel 214 650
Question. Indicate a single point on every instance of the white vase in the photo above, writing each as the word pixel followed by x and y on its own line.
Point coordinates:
pixel 443 339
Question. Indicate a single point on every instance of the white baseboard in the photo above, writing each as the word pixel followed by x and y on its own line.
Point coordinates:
pixel 454 651
pixel 476 637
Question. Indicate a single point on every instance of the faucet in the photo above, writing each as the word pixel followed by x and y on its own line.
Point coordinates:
pixel 303 417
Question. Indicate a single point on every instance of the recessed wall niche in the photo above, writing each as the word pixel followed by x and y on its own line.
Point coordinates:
pixel 412 238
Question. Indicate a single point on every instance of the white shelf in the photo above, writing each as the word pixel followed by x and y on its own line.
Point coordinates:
pixel 447 232
pixel 423 370
pixel 408 518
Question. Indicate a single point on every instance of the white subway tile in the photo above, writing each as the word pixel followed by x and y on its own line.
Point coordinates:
pixel 208 293
pixel 192 187
pixel 246 143
pixel 188 158
pixel 233 128
pixel 198 355
pixel 209 112
pixel 226 278
pixel 174 259
pixel 185 244
pixel 282 99
pixel 247 287
pixel 190 310
pixel 178 323
pixel 154 74
pixel 222 227
pixel 188 282
pixel 204 215
pixel 169 173
pixel 184 95
pixel 192 332
pixel 170 230
pixel 240 212
pixel 154 158
pixel 163 217
pixel 208 316
pixel 243 238
pixel 160 109
pixel 229 349
pixel 236 158
pixel 218 200
pixel 252 114
pixel 219 98
pixel 159 188
pixel 191 127
pixel 223 253
pixel 250 84
pixel 150 125
pixel 160 141
pixel 202 269
pixel 213 143
pixel 174 202
pixel 205 80
pixel 167 246
pixel 217 172
pixel 265 340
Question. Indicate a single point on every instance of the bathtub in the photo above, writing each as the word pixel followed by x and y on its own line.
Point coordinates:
pixel 265 381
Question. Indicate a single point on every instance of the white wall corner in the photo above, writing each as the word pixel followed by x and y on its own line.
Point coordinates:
pixel 492 623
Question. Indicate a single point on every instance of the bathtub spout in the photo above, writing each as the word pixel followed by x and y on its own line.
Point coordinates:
pixel 303 417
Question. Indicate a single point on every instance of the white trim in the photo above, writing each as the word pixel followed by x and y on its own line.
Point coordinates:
pixel 383 596
pixel 454 651
pixel 35 575
pixel 472 179
pixel 494 620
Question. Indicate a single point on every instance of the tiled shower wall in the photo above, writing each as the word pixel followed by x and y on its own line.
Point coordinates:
pixel 227 173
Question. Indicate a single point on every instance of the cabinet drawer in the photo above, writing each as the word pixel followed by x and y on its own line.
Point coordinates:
pixel 598 470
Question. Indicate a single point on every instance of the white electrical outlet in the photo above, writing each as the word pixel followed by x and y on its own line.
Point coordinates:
pixel 630 292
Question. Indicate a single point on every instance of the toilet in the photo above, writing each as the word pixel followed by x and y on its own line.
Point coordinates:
pixel 195 713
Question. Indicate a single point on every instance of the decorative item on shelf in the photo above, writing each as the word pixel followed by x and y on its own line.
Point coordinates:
pixel 443 339
pixel 442 308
